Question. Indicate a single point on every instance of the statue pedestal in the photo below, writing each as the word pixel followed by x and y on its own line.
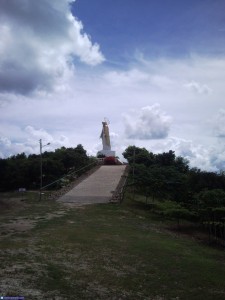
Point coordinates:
pixel 107 153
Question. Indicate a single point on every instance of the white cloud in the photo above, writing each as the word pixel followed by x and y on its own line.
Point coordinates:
pixel 197 155
pixel 217 157
pixel 211 158
pixel 126 78
pixel 39 40
pixel 82 45
pixel 218 124
pixel 38 134
pixel 9 147
pixel 29 143
pixel 197 87
pixel 149 123
pixel 75 108
pixel 136 77
pixel 162 81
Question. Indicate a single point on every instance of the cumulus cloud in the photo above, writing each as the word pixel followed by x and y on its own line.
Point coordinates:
pixel 29 143
pixel 198 155
pixel 219 124
pixel 39 40
pixel 149 123
pixel 76 111
pixel 197 87
pixel 210 158
pixel 217 158
pixel 34 134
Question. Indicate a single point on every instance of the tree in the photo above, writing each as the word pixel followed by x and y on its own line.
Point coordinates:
pixel 181 164
pixel 22 171
pixel 212 198
pixel 138 155
pixel 166 158
pixel 180 213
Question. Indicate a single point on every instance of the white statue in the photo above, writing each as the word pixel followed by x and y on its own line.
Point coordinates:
pixel 106 151
pixel 105 136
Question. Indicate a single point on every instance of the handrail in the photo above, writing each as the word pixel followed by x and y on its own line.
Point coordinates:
pixel 66 176
pixel 120 190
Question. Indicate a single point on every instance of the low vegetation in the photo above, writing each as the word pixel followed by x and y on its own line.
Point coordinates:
pixel 174 190
pixel 22 171
pixel 164 241
pixel 104 251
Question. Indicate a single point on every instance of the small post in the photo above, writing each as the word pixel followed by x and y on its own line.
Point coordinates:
pixel 40 141
pixel 41 169
pixel 133 171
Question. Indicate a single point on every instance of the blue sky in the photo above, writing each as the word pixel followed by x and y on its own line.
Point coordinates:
pixel 155 28
pixel 156 69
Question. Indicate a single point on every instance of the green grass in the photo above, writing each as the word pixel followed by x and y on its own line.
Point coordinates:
pixel 107 251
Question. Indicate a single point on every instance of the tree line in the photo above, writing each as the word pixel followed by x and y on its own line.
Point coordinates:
pixel 177 191
pixel 23 171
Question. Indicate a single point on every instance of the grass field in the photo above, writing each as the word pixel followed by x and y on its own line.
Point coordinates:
pixel 105 251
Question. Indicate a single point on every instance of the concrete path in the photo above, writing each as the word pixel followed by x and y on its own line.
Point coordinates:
pixel 97 188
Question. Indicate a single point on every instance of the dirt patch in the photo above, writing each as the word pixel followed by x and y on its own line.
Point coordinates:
pixel 23 224
pixel 14 203
pixel 19 226
pixel 74 205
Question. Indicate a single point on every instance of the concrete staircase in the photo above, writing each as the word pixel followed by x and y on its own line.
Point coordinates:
pixel 99 187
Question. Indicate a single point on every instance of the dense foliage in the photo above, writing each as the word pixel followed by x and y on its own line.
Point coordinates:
pixel 181 192
pixel 21 171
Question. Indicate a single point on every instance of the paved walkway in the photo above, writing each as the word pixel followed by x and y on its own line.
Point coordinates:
pixel 97 188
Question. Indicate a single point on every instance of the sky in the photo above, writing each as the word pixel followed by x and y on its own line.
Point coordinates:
pixel 154 68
